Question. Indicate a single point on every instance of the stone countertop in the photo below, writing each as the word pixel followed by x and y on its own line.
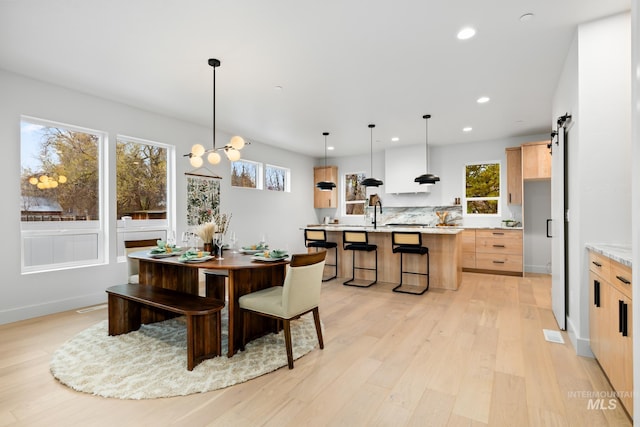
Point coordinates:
pixel 619 253
pixel 388 229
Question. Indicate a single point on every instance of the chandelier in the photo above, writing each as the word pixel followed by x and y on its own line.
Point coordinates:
pixel 231 149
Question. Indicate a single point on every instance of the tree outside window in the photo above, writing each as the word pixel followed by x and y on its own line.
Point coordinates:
pixel 482 188
pixel 276 178
pixel 247 174
pixel 141 179
pixel 355 195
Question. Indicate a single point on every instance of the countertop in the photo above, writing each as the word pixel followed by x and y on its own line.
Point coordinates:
pixel 620 253
pixel 388 229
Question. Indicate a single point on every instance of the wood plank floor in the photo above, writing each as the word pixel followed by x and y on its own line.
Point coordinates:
pixel 472 357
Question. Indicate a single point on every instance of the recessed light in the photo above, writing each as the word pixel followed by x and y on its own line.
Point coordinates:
pixel 483 100
pixel 330 148
pixel 466 33
pixel 395 139
pixel 467 129
pixel 526 17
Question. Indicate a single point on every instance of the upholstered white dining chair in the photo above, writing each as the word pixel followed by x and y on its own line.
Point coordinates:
pixel 133 264
pixel 299 294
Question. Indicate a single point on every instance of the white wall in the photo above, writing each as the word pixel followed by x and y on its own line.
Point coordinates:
pixel 25 296
pixel 595 90
pixel 635 186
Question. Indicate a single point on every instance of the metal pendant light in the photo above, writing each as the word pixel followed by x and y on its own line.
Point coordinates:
pixel 427 178
pixel 371 182
pixel 325 185
pixel 231 149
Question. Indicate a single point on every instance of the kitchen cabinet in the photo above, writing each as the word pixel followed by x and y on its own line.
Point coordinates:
pixel 536 161
pixel 496 251
pixel 325 199
pixel 401 167
pixel 610 323
pixel 514 175
pixel 469 248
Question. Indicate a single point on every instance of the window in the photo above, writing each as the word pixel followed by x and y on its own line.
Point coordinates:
pixel 247 174
pixel 355 195
pixel 482 188
pixel 61 195
pixel 141 179
pixel 277 178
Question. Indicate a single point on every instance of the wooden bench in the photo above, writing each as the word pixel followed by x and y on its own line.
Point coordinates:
pixel 203 316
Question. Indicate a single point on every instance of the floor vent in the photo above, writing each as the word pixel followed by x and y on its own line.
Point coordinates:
pixel 94 308
pixel 553 336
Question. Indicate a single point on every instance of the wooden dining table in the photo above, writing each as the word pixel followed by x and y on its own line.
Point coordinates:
pixel 226 279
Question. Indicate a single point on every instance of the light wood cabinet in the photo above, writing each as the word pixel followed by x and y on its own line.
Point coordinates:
pixel 325 199
pixel 536 161
pixel 495 250
pixel 514 175
pixel 610 323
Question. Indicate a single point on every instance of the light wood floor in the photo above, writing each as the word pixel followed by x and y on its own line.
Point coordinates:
pixel 474 357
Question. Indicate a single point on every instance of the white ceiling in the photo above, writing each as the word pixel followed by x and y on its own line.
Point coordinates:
pixel 341 64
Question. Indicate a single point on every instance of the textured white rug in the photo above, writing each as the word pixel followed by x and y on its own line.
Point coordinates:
pixel 152 362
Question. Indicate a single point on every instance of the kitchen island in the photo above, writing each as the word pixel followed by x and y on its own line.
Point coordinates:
pixel 445 251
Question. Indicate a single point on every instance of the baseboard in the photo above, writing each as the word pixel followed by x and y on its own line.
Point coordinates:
pixel 580 344
pixel 51 307
pixel 542 269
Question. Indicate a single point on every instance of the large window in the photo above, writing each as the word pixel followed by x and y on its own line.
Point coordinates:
pixel 355 195
pixel 482 188
pixel 61 195
pixel 141 188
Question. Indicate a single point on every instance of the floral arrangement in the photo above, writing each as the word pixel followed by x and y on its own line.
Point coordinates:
pixel 219 224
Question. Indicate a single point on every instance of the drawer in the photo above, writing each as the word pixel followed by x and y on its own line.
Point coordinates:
pixel 599 264
pixel 506 245
pixel 620 278
pixel 468 259
pixel 500 262
pixel 499 233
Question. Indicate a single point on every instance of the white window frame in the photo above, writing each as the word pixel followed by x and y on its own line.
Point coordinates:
pixel 259 175
pixel 344 198
pixel 147 228
pixel 52 237
pixel 468 199
pixel 287 177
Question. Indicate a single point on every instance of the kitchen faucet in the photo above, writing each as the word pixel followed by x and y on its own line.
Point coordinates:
pixel 375 218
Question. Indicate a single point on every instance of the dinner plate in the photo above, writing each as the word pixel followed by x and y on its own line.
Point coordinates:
pixel 252 251
pixel 164 254
pixel 264 259
pixel 196 260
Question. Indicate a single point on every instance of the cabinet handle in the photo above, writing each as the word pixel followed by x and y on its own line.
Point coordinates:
pixel 625 318
pixel 596 293
pixel 509 197
pixel 623 280
pixel 498 262
pixel 597 264
pixel 620 304
pixel 498 246
pixel 495 233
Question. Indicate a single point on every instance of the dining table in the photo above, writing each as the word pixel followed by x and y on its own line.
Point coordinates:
pixel 226 278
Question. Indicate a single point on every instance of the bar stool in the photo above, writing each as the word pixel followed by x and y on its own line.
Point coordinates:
pixel 408 242
pixel 318 239
pixel 358 241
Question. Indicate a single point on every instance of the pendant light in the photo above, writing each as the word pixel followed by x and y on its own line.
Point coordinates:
pixel 371 182
pixel 325 185
pixel 231 149
pixel 427 178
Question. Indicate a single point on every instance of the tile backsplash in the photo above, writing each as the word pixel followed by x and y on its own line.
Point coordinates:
pixel 423 215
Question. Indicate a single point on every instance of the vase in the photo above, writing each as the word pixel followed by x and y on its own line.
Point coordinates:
pixel 208 247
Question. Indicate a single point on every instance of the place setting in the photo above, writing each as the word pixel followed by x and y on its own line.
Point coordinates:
pixel 165 249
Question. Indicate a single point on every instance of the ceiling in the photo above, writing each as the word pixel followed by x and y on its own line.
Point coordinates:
pixel 293 69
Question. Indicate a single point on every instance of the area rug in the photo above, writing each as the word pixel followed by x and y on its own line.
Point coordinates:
pixel 152 362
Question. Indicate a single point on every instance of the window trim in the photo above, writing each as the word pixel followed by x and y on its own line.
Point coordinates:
pixel 287 178
pixel 467 199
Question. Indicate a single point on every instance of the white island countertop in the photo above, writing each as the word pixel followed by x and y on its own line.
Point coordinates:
pixel 389 228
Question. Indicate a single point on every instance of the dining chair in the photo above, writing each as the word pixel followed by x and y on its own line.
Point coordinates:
pixel 299 294
pixel 132 264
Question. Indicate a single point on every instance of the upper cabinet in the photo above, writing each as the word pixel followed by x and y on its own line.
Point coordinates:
pixel 325 199
pixel 536 161
pixel 514 175
pixel 401 166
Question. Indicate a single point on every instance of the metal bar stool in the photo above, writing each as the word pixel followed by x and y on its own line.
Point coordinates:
pixel 408 242
pixel 318 239
pixel 358 241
